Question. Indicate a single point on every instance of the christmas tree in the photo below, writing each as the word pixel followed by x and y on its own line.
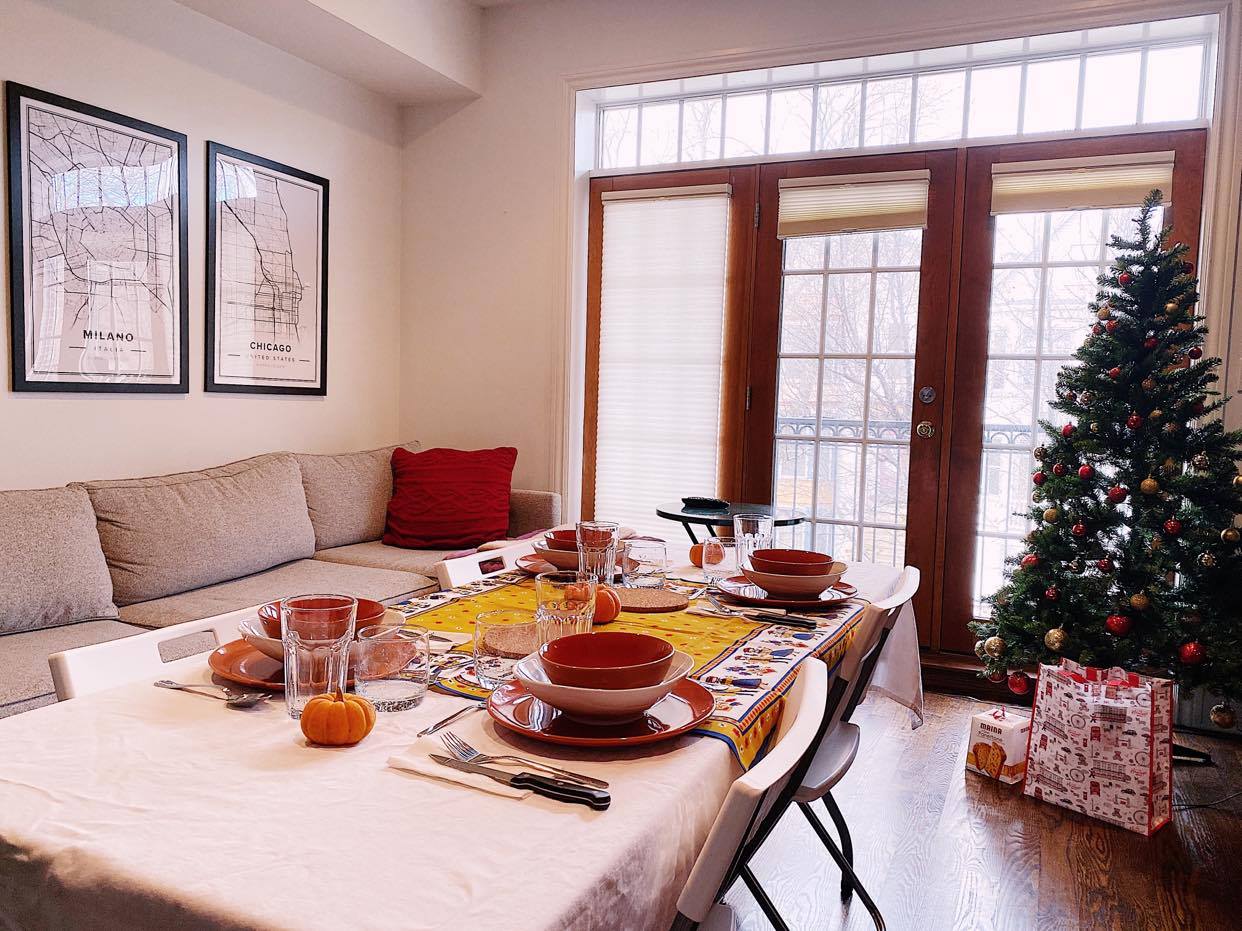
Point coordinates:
pixel 1134 559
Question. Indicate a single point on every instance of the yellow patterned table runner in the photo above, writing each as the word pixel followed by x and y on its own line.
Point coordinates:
pixel 747 666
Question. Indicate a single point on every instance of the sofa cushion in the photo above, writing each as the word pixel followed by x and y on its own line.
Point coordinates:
pixel 26 679
pixel 347 494
pixel 172 533
pixel 52 570
pixel 449 497
pixel 303 576
pixel 380 555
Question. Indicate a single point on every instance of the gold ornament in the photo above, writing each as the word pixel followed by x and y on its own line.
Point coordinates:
pixel 1040 453
pixel 1149 384
pixel 1155 414
pixel 1237 481
pixel 1207 560
pixel 1169 428
pixel 1054 640
pixel 994 647
pixel 1139 601
pixel 1037 494
pixel 1169 466
pixel 1223 715
pixel 1149 486
pixel 1200 461
pixel 1230 535
pixel 1104 312
pixel 1157 542
pixel 979 651
pixel 1052 515
pixel 1171 307
pixel 1184 327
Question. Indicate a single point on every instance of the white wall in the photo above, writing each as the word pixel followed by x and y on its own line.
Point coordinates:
pixel 163 63
pixel 488 231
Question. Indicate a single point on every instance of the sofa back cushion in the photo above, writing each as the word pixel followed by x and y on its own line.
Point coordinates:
pixel 52 570
pixel 347 494
pixel 448 498
pixel 173 533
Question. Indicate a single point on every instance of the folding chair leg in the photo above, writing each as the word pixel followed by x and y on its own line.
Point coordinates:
pixel 848 876
pixel 847 845
pixel 765 903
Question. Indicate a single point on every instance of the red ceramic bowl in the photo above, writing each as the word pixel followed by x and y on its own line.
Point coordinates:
pixel 790 562
pixel 611 660
pixel 369 612
pixel 564 540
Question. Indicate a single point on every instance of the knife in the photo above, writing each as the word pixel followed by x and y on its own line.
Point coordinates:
pixel 546 786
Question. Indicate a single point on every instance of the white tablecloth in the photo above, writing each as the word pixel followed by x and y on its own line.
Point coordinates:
pixel 141 807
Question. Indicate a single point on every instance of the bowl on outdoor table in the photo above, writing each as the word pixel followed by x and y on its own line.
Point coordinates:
pixel 791 562
pixel 565 541
pixel 369 612
pixel 808 586
pixel 599 706
pixel 609 660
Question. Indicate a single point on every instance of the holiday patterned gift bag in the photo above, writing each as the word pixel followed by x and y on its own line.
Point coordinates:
pixel 1101 742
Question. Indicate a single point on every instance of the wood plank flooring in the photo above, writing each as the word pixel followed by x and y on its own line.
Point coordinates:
pixel 942 848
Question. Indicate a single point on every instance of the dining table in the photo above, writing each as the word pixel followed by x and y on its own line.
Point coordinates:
pixel 141 807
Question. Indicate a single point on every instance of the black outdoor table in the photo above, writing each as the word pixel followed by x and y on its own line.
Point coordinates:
pixel 710 519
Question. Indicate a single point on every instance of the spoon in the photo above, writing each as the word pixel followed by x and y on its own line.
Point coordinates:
pixel 230 698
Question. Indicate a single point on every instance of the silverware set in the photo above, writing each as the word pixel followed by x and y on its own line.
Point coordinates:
pixel 468 754
pixel 802 621
pixel 229 696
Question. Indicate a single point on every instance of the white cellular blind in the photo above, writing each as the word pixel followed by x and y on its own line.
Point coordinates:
pixel 661 338
pixel 1080 183
pixel 849 203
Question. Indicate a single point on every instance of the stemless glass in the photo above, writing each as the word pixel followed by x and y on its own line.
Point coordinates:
pixel 316 631
pixel 644 564
pixel 392 666
pixel 752 532
pixel 566 604
pixel 501 638
pixel 597 549
pixel 719 559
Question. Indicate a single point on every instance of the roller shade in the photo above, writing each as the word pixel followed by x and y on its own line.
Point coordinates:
pixel 850 203
pixel 1080 183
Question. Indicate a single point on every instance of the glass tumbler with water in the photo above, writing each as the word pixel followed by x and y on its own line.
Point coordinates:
pixel 501 638
pixel 644 564
pixel 566 604
pixel 597 549
pixel 317 631
pixel 392 665
pixel 719 559
pixel 751 532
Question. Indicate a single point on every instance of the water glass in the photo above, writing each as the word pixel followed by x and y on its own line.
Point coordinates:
pixel 597 549
pixel 501 638
pixel 392 666
pixel 566 604
pixel 644 564
pixel 719 558
pixel 752 532
pixel 316 631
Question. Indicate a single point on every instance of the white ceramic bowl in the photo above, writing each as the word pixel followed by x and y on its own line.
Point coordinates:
pixel 252 632
pixel 599 706
pixel 808 586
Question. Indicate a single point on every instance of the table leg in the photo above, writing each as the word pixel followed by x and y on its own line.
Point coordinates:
pixel 711 529
pixel 693 538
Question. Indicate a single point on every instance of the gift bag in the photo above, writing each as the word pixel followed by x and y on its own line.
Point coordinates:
pixel 1101 742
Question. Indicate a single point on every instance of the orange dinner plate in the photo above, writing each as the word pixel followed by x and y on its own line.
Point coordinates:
pixel 237 661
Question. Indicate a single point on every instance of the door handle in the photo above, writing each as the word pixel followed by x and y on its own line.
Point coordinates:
pixel 925 429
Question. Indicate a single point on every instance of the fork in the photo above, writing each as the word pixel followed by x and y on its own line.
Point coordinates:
pixel 467 754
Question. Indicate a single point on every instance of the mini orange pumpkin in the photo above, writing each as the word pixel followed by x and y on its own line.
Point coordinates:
pixel 337 720
pixel 696 555
pixel 607 605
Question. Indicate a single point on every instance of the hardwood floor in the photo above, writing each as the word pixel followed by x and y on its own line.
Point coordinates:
pixel 938 847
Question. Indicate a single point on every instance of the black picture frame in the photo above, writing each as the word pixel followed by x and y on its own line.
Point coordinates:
pixel 14 95
pixel 210 374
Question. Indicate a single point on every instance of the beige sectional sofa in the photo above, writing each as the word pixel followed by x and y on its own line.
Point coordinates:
pixel 95 561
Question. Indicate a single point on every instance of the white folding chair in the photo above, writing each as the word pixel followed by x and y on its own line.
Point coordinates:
pixel 464 569
pixel 752 797
pixel 103 665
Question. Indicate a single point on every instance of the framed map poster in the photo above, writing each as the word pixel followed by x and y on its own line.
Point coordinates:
pixel 97 248
pixel 267 276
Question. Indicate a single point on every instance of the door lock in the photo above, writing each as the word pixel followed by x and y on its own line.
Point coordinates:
pixel 927 394
pixel 925 429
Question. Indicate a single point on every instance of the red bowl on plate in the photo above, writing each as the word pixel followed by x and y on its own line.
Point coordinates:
pixel 564 540
pixel 369 612
pixel 610 660
pixel 791 562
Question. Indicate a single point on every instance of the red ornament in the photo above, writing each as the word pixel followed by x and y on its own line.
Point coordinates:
pixel 1030 561
pixel 1097 329
pixel 1111 326
pixel 1104 565
pixel 1039 478
pixel 1118 624
pixel 1134 421
pixel 1114 373
pixel 1172 526
pixel 1117 494
pixel 1192 653
pixel 1086 473
pixel 1070 395
pixel 1059 469
pixel 1151 342
pixel 1195 352
pixel 1019 683
pixel 1067 430
pixel 996 677
pixel 1079 530
pixel 1124 279
pixel 1052 593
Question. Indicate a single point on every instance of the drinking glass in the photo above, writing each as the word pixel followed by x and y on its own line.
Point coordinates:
pixel 644 564
pixel 752 532
pixel 597 549
pixel 316 631
pixel 719 559
pixel 501 638
pixel 566 604
pixel 392 666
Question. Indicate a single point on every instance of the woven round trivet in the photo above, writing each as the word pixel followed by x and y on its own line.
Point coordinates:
pixel 651 600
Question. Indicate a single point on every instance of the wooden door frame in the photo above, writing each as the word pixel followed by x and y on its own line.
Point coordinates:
pixel 738 268
pixel 970 367
pixel 925 486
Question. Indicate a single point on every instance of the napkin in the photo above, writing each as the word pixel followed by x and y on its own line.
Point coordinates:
pixel 417 759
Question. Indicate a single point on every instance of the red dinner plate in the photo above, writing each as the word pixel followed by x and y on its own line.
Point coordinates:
pixel 686 707
pixel 738 590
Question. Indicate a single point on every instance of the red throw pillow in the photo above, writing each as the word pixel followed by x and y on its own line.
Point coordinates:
pixel 445 498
